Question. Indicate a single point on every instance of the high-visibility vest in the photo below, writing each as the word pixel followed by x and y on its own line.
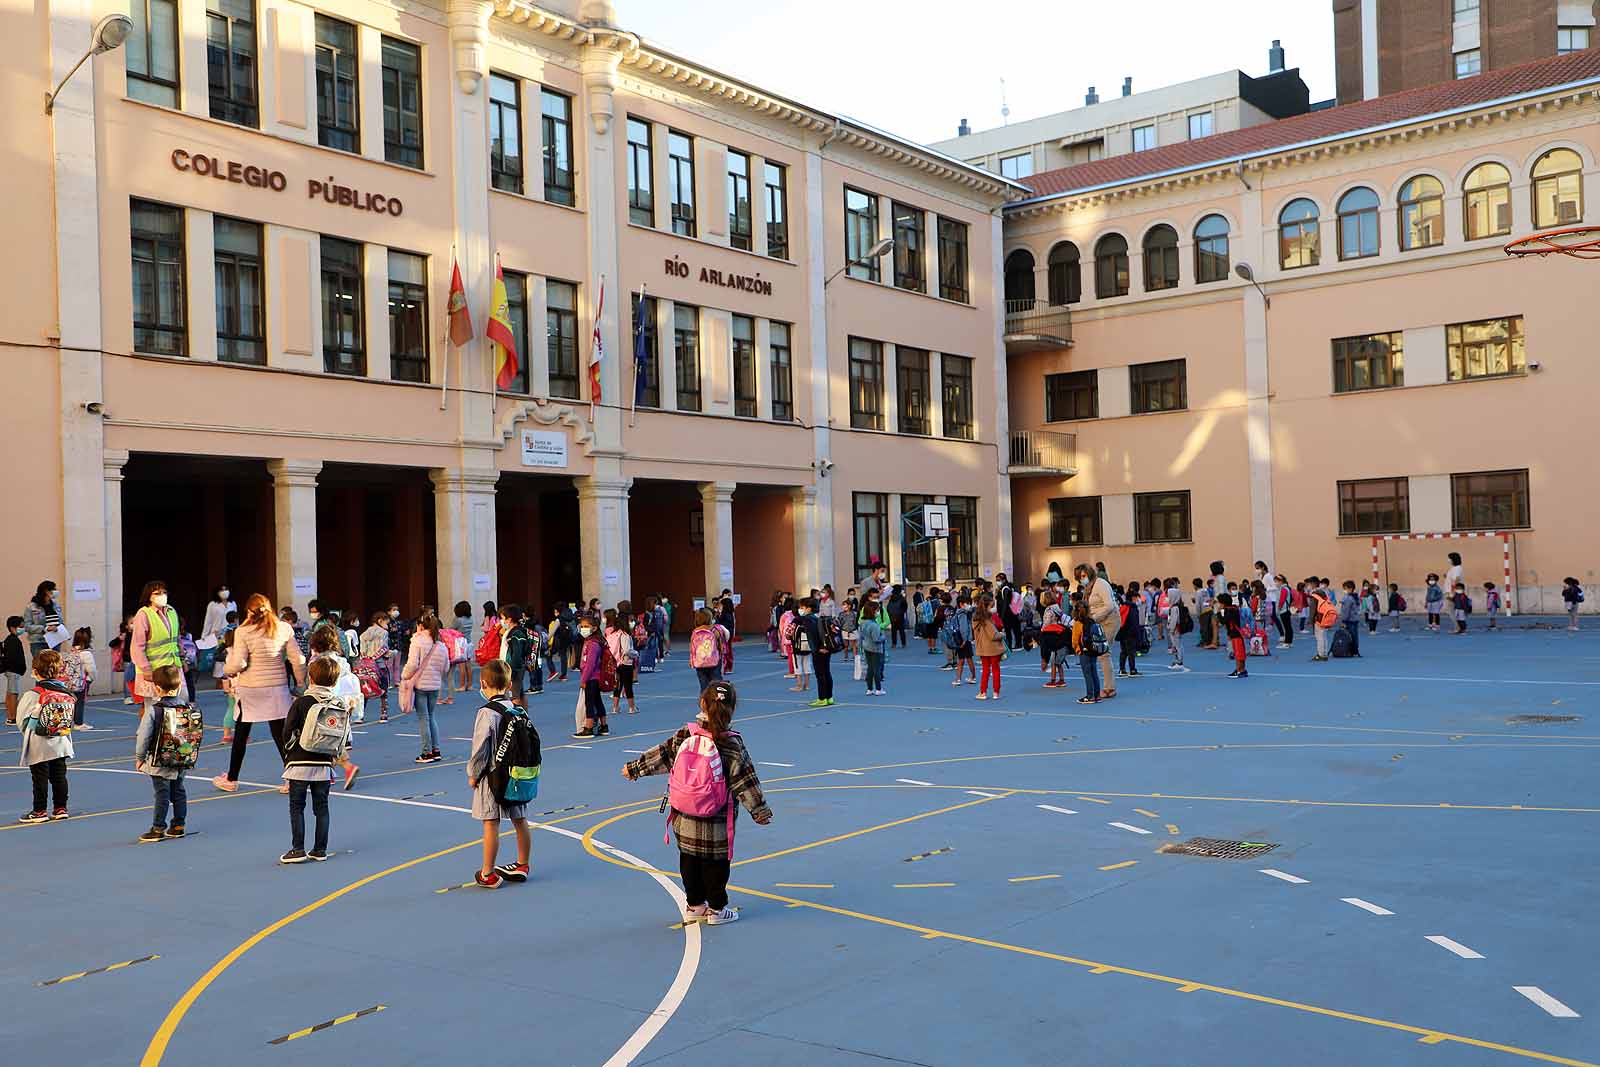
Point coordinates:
pixel 162 646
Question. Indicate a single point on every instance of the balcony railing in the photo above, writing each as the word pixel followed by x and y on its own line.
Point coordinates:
pixel 1034 325
pixel 1037 453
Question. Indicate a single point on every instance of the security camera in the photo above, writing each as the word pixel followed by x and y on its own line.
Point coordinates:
pixel 1535 366
pixel 95 407
pixel 824 466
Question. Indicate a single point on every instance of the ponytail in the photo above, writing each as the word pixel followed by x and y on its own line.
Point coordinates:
pixel 717 702
pixel 259 614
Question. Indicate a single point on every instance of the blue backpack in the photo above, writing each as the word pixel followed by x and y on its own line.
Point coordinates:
pixel 514 769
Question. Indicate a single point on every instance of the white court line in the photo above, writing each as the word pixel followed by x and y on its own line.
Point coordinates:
pixel 634 751
pixel 564 746
pixel 1425 678
pixel 981 793
pixel 774 763
pixel 406 735
pixel 1126 826
pixel 1366 906
pixel 1058 811
pixel 835 770
pixel 1291 879
pixel 1454 946
pixel 912 781
pixel 1546 1001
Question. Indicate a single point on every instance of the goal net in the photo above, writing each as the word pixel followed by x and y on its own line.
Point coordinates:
pixel 1484 552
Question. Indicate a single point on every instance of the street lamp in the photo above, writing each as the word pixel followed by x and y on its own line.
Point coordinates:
pixel 1244 271
pixel 877 251
pixel 108 33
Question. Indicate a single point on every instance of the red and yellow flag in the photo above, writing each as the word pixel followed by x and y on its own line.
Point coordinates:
pixel 460 317
pixel 498 331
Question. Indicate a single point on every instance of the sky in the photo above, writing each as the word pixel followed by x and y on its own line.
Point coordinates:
pixel 917 67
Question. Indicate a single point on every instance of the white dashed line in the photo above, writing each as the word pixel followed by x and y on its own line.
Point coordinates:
pixel 770 763
pixel 574 746
pixel 634 751
pixel 405 735
pixel 1281 876
pixel 1126 826
pixel 912 781
pixel 1058 811
pixel 835 770
pixel 1546 1001
pixel 1365 906
pixel 981 793
pixel 1454 946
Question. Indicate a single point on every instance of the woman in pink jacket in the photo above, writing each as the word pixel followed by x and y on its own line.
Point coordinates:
pixel 262 645
pixel 426 665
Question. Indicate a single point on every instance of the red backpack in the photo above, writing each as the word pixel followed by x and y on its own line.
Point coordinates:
pixel 488 648
pixel 608 669
pixel 54 715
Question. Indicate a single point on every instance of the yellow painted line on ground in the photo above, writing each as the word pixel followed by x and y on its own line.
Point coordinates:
pixel 803 885
pixel 327 1025
pixel 1119 866
pixel 867 830
pixel 1147 814
pixel 1432 1039
pixel 1190 988
pixel 1094 800
pixel 98 970
pixel 141 807
pixel 1033 878
pixel 923 885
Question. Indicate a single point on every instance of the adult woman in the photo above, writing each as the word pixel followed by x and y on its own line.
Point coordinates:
pixel 426 665
pixel 215 622
pixel 462 623
pixel 153 641
pixel 42 621
pixel 262 645
pixel 1102 603
pixel 1453 575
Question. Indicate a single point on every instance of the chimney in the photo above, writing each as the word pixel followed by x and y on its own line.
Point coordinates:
pixel 963 129
pixel 1091 97
pixel 1275 57
pixel 1127 86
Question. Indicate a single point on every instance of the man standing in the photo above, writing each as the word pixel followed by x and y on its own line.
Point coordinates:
pixel 1103 610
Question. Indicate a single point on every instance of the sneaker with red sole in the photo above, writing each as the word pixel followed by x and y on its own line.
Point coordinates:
pixel 61 813
pixel 350 772
pixel 513 872
pixel 491 882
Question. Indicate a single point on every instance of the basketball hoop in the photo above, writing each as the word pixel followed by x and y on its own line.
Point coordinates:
pixel 1579 242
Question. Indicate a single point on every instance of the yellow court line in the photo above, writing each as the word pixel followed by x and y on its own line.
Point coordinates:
pixel 867 830
pixel 141 807
pixel 1147 814
pixel 1119 866
pixel 1094 800
pixel 1033 878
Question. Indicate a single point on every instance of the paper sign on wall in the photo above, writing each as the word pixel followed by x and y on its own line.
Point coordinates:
pixel 699 602
pixel 737 599
pixel 305 586
pixel 480 581
pixel 86 590
pixel 727 574
pixel 542 448
pixel 610 578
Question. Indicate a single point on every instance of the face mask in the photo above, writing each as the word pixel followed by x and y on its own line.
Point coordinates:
pixel 315 615
pixel 223 595
pixel 159 600
pixel 394 613
pixel 585 630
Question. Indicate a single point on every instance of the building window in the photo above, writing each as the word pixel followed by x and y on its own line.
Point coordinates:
pixel 1065 279
pixel 780 357
pixel 911 383
pixel 1073 395
pixel 1469 63
pixel 152 52
pixel 408 317
pixel 1487 201
pixel 241 301
pixel 860 233
pixel 777 211
pixel 1358 224
pixel 159 318
pixel 1075 520
pixel 1018 280
pixel 338 90
pixel 686 355
pixel 647 383
pixel 1490 500
pixel 917 561
pixel 953 260
pixel 1160 258
pixel 866 384
pixel 870 512
pixel 1160 517
pixel 909 225
pixel 517 312
pixel 1376 361
pixel 956 384
pixel 1374 506
pixel 1144 137
pixel 1201 125
pixel 1466 10
pixel 1111 266
pixel 1017 166
pixel 1571 39
pixel 739 230
pixel 680 182
pixel 1160 386
pixel 1490 348
pixel 1421 213
pixel 555 118
pixel 963 536
pixel 1558 189
pixel 744 366
pixel 344 349
pixel 231 61
pixel 641 173
pixel 505 133
pixel 402 103
pixel 1299 235
pixel 561 337
pixel 1211 249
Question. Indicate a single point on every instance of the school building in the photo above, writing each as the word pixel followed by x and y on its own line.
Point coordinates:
pixel 227 301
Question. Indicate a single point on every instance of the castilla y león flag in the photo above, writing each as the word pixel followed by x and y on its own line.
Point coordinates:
pixel 499 333
pixel 460 317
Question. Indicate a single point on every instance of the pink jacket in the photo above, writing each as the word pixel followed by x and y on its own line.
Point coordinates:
pixel 256 659
pixel 591 662
pixel 427 663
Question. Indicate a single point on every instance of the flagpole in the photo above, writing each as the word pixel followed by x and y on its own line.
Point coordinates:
pixel 444 374
pixel 633 409
pixel 494 372
pixel 594 340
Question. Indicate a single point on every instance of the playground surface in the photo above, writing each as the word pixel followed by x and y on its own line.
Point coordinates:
pixel 945 881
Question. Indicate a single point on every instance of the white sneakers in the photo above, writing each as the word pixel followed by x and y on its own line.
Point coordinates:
pixel 717 918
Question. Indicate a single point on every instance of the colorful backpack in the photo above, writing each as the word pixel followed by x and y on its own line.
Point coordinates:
pixel 366 672
pixel 455 643
pixel 1096 640
pixel 72 674
pixel 190 653
pixel 641 634
pixel 488 648
pixel 326 730
pixel 180 731
pixel 703 650
pixel 514 770
pixel 698 786
pixel 1327 612
pixel 54 714
pixel 608 669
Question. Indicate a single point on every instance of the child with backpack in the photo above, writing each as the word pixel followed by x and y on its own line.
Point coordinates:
pixel 874 644
pixel 168 743
pixel 705 649
pixel 376 659
pixel 989 641
pixel 958 638
pixel 503 773
pixel 309 770
pixel 347 688
pixel 1130 633
pixel 802 639
pixel 591 709
pixel 829 640
pixel 1234 629
pixel 619 642
pixel 1369 606
pixel 1433 600
pixel 1177 616
pixel 1461 606
pixel 44 715
pixel 82 656
pixel 1397 605
pixel 1491 604
pixel 1571 596
pixel 1350 616
pixel 645 642
pixel 710 771
pixel 1089 642
pixel 516 649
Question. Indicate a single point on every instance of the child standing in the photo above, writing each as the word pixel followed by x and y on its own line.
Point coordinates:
pixel 1085 634
pixel 786 634
pixel 1461 606
pixel 516 646
pixel 1350 616
pixel 375 647
pixel 1571 596
pixel 83 655
pixel 961 628
pixel 1235 631
pixel 989 641
pixel 1174 639
pixel 591 710
pixel 1433 601
pixel 620 641
pixel 870 635
pixel 1369 606
pixel 44 714
pixel 802 635
pixel 1397 604
pixel 347 687
pixel 1129 633
pixel 308 772
pixel 488 731
pixel 13 664
pixel 165 778
pixel 705 648
pixel 1491 603
pixel 717 768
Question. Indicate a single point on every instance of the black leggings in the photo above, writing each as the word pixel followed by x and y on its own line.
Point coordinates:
pixel 823 663
pixel 1127 658
pixel 704 881
pixel 625 681
pixel 52 774
pixel 241 738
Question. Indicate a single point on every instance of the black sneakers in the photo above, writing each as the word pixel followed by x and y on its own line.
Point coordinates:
pixel 155 833
pixel 294 855
pixel 513 872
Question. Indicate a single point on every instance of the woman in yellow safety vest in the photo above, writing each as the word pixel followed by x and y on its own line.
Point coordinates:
pixel 155 641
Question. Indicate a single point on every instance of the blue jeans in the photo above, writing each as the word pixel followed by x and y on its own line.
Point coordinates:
pixel 427 724
pixel 874 671
pixel 297 813
pixel 1091 674
pixel 707 675
pixel 173 791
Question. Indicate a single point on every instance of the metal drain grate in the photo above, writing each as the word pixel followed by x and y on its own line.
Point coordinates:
pixel 1535 720
pixel 1219 848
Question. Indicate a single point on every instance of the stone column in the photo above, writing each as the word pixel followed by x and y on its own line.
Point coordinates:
pixel 717 500
pixel 1002 422
pixel 603 536
pixel 811 371
pixel 601 58
pixel 469 166
pixel 803 518
pixel 464 534
pixel 111 587
pixel 294 520
pixel 1257 388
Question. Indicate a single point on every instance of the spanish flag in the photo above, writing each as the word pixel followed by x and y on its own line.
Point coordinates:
pixel 498 331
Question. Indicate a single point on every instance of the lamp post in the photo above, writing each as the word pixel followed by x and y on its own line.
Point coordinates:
pixel 877 251
pixel 108 33
pixel 1244 271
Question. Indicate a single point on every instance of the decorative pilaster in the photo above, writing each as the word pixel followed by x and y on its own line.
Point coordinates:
pixel 109 611
pixel 717 500
pixel 603 520
pixel 464 532
pixel 294 520
pixel 803 518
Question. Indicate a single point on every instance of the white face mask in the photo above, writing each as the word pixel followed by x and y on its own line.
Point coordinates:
pixel 223 595
pixel 394 613
pixel 159 600
pixel 585 630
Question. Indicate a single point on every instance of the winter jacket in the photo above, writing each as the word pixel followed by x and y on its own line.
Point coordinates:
pixel 427 663
pixel 36 749
pixel 986 639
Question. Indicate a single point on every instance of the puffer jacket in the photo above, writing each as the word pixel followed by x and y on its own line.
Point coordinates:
pixel 426 663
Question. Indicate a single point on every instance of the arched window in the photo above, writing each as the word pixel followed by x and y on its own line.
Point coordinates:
pixel 1066 286
pixel 1211 249
pixel 1160 258
pixel 1421 213
pixel 1487 201
pixel 1299 236
pixel 1111 266
pixel 1358 224
pixel 1019 280
pixel 1558 189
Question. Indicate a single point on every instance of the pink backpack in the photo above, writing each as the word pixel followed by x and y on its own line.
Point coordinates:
pixel 698 785
pixel 703 648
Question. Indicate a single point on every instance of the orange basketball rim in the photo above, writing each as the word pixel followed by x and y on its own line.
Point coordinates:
pixel 1579 242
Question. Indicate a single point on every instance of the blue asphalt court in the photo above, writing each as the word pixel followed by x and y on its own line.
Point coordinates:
pixel 945 881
